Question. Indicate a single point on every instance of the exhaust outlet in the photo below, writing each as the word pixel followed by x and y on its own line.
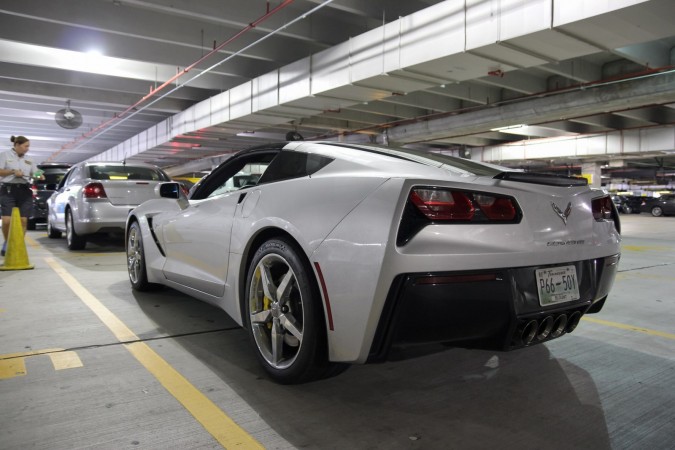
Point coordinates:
pixel 544 328
pixel 573 321
pixel 559 326
pixel 529 332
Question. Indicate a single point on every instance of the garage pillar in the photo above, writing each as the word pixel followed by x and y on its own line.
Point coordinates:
pixel 593 172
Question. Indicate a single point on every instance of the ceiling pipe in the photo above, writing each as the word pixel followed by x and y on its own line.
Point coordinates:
pixel 118 117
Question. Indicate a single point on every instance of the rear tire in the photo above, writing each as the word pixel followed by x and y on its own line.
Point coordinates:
pixel 657 211
pixel 627 209
pixel 284 316
pixel 74 240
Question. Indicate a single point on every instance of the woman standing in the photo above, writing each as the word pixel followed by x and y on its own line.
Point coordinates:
pixel 15 171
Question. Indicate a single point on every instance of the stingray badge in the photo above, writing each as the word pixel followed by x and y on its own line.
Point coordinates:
pixel 563 215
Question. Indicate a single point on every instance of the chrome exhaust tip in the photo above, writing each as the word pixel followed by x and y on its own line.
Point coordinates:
pixel 529 332
pixel 559 326
pixel 545 327
pixel 573 321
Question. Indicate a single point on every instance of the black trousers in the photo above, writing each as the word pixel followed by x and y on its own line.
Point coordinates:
pixel 16 196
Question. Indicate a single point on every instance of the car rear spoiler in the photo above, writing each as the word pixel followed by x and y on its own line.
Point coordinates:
pixel 542 178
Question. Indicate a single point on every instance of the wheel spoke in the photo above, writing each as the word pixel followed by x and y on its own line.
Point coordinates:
pixel 277 342
pixel 267 282
pixel 288 322
pixel 261 317
pixel 284 289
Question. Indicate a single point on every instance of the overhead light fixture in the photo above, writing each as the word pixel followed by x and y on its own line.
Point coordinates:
pixel 510 128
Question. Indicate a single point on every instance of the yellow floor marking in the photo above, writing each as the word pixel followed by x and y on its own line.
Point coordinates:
pixel 630 327
pixel 10 368
pixel 14 364
pixel 212 418
pixel 30 241
pixel 645 248
pixel 65 360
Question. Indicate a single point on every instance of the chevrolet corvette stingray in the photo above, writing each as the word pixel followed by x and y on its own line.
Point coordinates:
pixel 332 254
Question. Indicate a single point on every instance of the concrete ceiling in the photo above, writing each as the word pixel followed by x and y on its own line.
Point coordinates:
pixel 130 65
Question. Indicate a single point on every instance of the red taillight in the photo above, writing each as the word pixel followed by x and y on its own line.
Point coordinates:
pixel 439 204
pixel 34 188
pixel 94 190
pixel 451 205
pixel 496 208
pixel 602 208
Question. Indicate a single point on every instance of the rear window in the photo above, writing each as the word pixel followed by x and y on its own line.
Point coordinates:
pixel 289 164
pixel 452 163
pixel 126 172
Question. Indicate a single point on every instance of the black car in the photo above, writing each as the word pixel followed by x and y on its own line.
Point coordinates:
pixel 627 204
pixel 659 206
pixel 43 189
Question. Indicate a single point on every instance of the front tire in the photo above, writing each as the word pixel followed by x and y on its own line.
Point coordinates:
pixel 136 267
pixel 52 233
pixel 74 240
pixel 627 209
pixel 284 316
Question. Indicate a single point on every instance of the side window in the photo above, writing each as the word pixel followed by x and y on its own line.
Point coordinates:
pixel 240 172
pixel 290 164
pixel 72 176
pixel 247 176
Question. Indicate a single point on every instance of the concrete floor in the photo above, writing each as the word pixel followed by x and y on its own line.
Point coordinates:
pixel 69 383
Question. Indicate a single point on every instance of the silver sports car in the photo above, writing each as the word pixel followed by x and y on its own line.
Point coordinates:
pixel 331 254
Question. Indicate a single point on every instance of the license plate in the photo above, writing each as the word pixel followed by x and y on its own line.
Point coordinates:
pixel 557 285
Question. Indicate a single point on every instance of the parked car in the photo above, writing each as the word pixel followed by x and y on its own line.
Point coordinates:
pixel 659 206
pixel 627 204
pixel 331 254
pixel 96 197
pixel 43 189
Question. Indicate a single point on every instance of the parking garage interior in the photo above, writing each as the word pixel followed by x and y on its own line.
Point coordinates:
pixel 572 87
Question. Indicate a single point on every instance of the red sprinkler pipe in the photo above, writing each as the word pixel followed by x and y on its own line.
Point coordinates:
pixel 152 92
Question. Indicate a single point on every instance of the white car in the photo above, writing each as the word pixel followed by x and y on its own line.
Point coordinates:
pixel 332 254
pixel 96 197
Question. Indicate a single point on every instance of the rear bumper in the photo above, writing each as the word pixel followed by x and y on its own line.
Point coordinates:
pixel 495 309
pixel 101 217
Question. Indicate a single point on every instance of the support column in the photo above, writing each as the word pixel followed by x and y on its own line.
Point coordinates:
pixel 592 171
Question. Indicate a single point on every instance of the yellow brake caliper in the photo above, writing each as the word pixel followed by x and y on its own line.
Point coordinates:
pixel 267 302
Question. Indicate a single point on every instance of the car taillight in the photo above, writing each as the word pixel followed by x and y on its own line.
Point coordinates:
pixel 602 208
pixel 432 205
pixel 94 190
pixel 453 205
pixel 438 204
pixel 34 188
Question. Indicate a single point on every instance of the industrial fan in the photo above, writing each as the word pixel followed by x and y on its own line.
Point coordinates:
pixel 68 118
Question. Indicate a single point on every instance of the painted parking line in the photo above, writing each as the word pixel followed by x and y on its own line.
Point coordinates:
pixel 14 364
pixel 630 327
pixel 212 418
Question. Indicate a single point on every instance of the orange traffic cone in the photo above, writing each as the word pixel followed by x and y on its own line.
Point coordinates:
pixel 16 257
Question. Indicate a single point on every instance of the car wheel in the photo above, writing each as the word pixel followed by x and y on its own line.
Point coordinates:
pixel 284 316
pixel 657 211
pixel 74 240
pixel 627 209
pixel 136 260
pixel 52 233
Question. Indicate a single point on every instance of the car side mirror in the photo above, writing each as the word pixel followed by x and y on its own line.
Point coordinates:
pixel 173 190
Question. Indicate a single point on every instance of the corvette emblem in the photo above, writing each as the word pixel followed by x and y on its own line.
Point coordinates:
pixel 563 215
